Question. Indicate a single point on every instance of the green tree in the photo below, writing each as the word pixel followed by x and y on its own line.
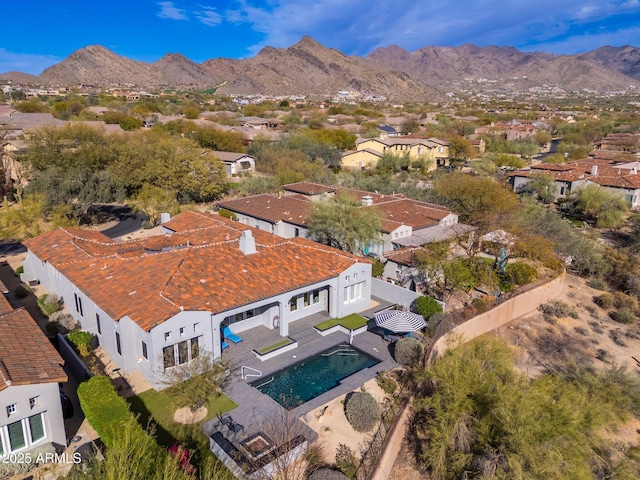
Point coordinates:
pixel 606 207
pixel 154 201
pixel 542 186
pixel 460 148
pixel 343 223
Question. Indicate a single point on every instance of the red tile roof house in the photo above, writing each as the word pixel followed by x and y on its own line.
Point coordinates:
pixel 406 222
pixel 619 178
pixel 159 301
pixel 30 369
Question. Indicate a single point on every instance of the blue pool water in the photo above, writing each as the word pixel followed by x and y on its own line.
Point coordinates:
pixel 313 376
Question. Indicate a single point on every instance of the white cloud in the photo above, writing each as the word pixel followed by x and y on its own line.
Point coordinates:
pixel 25 62
pixel 168 10
pixel 359 26
pixel 208 16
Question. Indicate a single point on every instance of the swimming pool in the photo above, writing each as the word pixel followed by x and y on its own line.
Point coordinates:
pixel 313 376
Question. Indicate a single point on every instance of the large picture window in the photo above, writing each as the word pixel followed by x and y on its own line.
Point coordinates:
pixel 16 436
pixel 36 427
pixel 183 353
pixel 169 356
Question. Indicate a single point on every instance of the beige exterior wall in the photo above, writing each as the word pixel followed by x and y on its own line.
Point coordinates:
pixel 500 315
pixel 359 159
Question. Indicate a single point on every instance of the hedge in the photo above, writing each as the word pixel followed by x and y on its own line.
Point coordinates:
pixel 107 412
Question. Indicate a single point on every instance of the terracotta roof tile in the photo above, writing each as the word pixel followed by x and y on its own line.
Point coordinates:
pixel 271 208
pixel 404 256
pixel 26 356
pixel 210 273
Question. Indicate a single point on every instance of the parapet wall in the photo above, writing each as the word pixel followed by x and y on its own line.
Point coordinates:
pixel 501 314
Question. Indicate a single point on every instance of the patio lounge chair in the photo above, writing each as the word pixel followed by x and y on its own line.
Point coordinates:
pixel 225 345
pixel 229 335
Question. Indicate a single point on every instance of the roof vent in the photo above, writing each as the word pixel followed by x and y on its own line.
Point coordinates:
pixel 247 242
pixel 634 170
pixel 367 201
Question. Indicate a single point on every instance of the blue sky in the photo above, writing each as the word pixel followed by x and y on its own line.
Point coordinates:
pixel 39 33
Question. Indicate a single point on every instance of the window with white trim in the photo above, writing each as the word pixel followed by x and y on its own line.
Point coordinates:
pixel 78 304
pixel 21 434
pixel 181 352
pixel 11 409
pixel 118 346
pixel 145 354
pixel 353 292
pixel 33 401
pixel 293 304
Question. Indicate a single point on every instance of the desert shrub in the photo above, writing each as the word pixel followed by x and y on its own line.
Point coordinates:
pixel 622 300
pixel 595 326
pixel 21 291
pixel 408 351
pixel 329 474
pixel 81 341
pixel 581 330
pixel 362 411
pixel 604 301
pixel 604 356
pixel 558 309
pixel 386 383
pixel 484 303
pixel 597 284
pixel 623 315
pixel 49 304
pixel 377 268
pixel 427 306
pixel 52 329
pixel 346 461
pixel 26 463
pixel 19 270
pixel 520 273
pixel 65 320
pixel 223 212
pixel 146 224
pixel 616 336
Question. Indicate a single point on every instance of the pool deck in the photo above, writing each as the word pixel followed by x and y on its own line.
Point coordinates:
pixel 256 409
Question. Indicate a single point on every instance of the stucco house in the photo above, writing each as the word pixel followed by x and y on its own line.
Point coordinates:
pixel 619 178
pixel 158 302
pixel 30 370
pixel 236 163
pixel 406 222
pixel 369 151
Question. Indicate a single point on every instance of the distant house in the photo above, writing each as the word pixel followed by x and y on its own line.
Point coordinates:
pixel 237 163
pixel 370 150
pixel 406 222
pixel 388 130
pixel 30 371
pixel 158 302
pixel 618 178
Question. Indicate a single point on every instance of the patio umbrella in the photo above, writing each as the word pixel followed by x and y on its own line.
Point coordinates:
pixel 400 321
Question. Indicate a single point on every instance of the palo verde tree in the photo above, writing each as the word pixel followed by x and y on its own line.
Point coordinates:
pixel 342 222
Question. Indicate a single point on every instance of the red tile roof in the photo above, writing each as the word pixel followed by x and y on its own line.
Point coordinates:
pixel 26 356
pixel 308 188
pixel 271 208
pixel 208 273
pixel 404 256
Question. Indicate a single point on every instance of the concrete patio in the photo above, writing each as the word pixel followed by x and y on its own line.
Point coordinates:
pixel 255 410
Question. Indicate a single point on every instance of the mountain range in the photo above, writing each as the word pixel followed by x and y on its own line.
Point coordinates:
pixel 310 68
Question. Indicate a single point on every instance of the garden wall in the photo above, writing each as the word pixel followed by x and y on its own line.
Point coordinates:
pixel 392 293
pixel 72 360
pixel 501 314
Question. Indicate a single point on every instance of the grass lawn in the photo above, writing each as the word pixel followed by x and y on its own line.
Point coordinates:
pixel 351 322
pixel 275 346
pixel 157 409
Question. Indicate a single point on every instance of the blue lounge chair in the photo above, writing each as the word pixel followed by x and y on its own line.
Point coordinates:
pixel 225 345
pixel 229 335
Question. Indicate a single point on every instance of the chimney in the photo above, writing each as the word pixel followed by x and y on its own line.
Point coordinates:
pixel 634 170
pixel 594 170
pixel 367 201
pixel 247 242
pixel 165 217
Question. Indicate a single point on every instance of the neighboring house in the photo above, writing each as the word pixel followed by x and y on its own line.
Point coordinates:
pixel 511 131
pixel 17 124
pixel 619 178
pixel 259 123
pixel 237 163
pixel 406 221
pixel 433 150
pixel 364 159
pixel 621 142
pixel 30 371
pixel 388 131
pixel 402 268
pixel 158 302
